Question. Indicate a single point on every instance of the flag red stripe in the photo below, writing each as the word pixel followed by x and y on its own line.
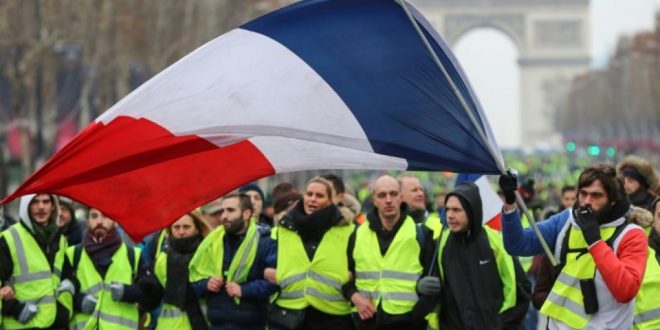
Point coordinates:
pixel 168 175
pixel 495 222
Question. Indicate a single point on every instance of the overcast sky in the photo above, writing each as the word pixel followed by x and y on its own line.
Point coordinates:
pixel 489 71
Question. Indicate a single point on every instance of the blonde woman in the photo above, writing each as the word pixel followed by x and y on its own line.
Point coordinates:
pixel 312 265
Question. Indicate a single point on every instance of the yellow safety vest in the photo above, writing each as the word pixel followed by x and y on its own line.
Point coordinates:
pixel 565 302
pixel 388 280
pixel 315 282
pixel 108 314
pixel 32 278
pixel 647 303
pixel 162 236
pixel 525 261
pixel 208 259
pixel 433 222
pixel 171 317
pixel 503 261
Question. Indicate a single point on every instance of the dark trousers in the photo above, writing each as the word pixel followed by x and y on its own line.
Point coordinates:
pixel 317 320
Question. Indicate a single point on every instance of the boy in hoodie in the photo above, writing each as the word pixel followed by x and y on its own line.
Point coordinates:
pixel 32 266
pixel 478 277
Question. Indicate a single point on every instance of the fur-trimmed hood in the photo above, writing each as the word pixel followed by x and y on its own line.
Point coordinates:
pixel 641 165
pixel 640 216
pixel 350 208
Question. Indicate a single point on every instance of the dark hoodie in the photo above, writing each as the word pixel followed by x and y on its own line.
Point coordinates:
pixel 472 293
pixel 642 198
pixel 73 231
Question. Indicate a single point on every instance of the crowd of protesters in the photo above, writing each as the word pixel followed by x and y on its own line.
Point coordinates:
pixel 319 257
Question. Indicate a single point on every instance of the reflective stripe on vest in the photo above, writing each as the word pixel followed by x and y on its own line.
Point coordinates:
pixel 172 313
pixel 652 315
pixel 317 282
pixel 32 278
pixel 108 314
pixel 389 280
pixel 647 304
pixel 565 301
pixel 209 257
pixel 240 265
pixel 525 261
pixel 115 320
pixel 171 317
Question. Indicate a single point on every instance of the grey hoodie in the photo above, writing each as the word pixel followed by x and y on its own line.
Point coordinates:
pixel 24 211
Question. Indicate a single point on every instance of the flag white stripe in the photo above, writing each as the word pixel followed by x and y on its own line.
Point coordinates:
pixel 242 85
pixel 490 201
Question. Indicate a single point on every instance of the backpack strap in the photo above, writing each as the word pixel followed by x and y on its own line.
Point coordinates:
pixel 77 253
pixel 617 232
pixel 131 259
pixel 420 235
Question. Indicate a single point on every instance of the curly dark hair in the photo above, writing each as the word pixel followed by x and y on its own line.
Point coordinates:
pixel 606 174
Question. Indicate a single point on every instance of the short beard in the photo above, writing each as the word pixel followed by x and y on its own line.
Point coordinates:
pixel 235 226
pixel 100 234
pixel 603 215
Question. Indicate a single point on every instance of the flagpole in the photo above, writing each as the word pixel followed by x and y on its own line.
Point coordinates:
pixel 482 135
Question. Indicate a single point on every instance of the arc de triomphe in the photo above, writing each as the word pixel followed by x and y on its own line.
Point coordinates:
pixel 552 38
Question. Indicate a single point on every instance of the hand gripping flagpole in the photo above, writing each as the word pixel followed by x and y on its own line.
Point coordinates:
pixel 484 139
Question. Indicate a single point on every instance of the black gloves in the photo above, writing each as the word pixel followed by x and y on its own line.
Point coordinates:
pixel 585 218
pixel 509 185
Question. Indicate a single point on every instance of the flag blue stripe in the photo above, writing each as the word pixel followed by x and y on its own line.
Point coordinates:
pixel 408 110
pixel 467 177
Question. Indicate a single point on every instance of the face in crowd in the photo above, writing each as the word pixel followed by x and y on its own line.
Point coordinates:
pixel 65 216
pixel 184 227
pixel 234 217
pixel 387 198
pixel 41 208
pixel 98 224
pixel 440 200
pixel 318 195
pixel 568 198
pixel 457 218
pixel 594 196
pixel 257 202
pixel 631 185
pixel 412 193
pixel 213 216
pixel 214 219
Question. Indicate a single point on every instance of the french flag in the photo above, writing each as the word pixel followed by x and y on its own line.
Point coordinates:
pixel 343 84
pixel 490 201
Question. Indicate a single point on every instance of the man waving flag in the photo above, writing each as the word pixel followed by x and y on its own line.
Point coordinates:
pixel 341 84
